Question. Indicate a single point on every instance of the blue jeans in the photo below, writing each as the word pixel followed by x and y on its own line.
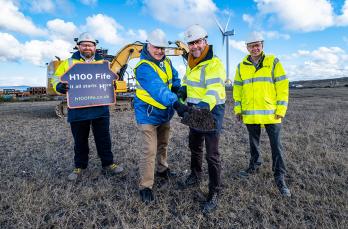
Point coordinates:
pixel 273 131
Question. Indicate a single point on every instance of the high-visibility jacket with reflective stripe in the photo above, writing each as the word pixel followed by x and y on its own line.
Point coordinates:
pixel 206 83
pixel 166 77
pixel 260 94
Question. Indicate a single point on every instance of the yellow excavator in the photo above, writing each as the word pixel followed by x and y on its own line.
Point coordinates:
pixel 124 88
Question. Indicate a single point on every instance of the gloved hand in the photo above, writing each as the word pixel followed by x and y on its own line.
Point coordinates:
pixel 180 108
pixel 62 87
pixel 182 93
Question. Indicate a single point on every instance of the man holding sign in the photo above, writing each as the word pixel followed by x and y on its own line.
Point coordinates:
pixel 87 115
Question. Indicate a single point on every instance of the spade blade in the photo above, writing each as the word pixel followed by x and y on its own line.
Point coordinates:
pixel 200 119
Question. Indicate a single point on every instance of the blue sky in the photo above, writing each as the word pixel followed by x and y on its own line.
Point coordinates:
pixel 309 36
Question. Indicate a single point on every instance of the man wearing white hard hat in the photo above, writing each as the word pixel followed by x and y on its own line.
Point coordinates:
pixel 154 104
pixel 204 88
pixel 260 92
pixel 82 119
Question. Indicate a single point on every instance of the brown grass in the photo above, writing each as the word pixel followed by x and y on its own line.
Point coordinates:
pixel 36 152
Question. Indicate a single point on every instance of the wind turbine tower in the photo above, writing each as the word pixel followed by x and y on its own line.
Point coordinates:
pixel 225 34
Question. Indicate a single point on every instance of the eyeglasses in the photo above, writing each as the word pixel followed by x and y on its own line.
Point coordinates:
pixel 86 45
pixel 196 42
pixel 254 45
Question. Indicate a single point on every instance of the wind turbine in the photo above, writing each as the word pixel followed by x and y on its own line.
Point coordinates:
pixel 225 34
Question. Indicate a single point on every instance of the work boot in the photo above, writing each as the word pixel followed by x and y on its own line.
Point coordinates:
pixel 112 169
pixel 249 171
pixel 191 181
pixel 146 195
pixel 211 204
pixel 283 189
pixel 166 174
pixel 76 174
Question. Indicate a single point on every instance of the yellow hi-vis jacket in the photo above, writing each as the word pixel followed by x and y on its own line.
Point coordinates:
pixel 206 83
pixel 261 93
pixel 64 67
pixel 166 77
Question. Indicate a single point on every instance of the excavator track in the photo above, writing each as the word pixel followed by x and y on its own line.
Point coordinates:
pixel 61 109
pixel 124 103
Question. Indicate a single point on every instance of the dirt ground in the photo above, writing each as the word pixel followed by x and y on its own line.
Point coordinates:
pixel 36 155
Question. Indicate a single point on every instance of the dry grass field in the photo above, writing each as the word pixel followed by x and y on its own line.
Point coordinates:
pixel 36 155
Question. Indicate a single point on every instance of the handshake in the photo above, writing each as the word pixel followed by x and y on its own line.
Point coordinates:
pixel 181 109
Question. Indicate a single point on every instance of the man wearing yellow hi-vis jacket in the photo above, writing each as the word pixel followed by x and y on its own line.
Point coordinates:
pixel 157 82
pixel 260 92
pixel 204 88
pixel 82 119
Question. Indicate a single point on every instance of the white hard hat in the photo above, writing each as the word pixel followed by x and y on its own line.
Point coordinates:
pixel 254 37
pixel 157 38
pixel 195 32
pixel 86 37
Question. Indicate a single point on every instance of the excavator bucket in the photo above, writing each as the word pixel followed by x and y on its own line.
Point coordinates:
pixel 200 119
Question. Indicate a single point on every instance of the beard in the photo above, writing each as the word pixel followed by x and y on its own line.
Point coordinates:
pixel 87 54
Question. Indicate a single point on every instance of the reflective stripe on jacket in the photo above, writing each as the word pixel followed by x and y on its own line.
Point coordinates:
pixel 166 77
pixel 260 92
pixel 206 83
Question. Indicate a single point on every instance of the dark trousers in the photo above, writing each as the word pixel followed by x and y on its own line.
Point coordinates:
pixel 100 129
pixel 196 140
pixel 273 131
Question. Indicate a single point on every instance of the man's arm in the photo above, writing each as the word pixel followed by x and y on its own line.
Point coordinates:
pixel 215 77
pixel 237 93
pixel 282 89
pixel 153 84
pixel 58 86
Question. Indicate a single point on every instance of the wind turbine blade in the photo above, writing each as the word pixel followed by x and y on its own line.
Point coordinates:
pixel 227 22
pixel 218 24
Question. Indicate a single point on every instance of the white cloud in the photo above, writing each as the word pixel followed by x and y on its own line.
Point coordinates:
pixel 35 51
pixel 139 35
pixel 13 20
pixel 89 2
pixel 304 15
pixel 239 45
pixel 9 53
pixel 182 13
pixel 104 27
pixel 275 35
pixel 266 35
pixel 39 52
pixel 248 19
pixel 41 6
pixel 59 29
pixel 322 63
